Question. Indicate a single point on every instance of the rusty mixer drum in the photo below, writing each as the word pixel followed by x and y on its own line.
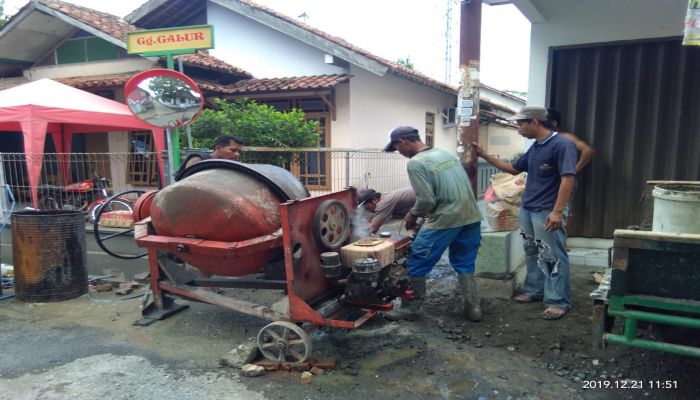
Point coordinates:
pixel 225 201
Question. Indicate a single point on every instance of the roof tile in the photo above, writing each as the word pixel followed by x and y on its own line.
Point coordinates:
pixel 394 67
pixel 117 28
pixel 289 83
pixel 113 81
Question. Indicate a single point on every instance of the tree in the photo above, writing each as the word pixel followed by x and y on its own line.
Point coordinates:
pixel 257 124
pixel 406 62
pixel 3 17
pixel 168 88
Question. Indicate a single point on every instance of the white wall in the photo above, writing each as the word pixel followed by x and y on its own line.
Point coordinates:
pixel 89 68
pixel 501 141
pixel 366 109
pixel 569 22
pixel 118 143
pixel 379 104
pixel 341 130
pixel 260 50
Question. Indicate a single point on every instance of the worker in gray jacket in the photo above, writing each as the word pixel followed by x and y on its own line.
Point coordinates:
pixel 445 199
pixel 385 206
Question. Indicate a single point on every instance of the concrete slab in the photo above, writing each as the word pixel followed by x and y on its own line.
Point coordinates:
pixel 501 287
pixel 500 252
pixel 577 259
pixel 590 257
pixel 589 243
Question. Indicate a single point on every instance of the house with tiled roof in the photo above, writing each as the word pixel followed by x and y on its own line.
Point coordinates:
pixel 86 49
pixel 499 136
pixel 365 96
pixel 356 96
pixel 59 40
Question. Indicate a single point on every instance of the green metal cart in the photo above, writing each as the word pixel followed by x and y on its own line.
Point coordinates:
pixel 654 279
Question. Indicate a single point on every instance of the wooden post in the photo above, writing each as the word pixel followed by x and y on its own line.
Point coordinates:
pixel 468 97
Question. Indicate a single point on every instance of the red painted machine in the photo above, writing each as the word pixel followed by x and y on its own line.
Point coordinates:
pixel 248 226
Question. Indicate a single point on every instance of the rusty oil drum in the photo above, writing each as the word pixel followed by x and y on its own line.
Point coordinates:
pixel 49 255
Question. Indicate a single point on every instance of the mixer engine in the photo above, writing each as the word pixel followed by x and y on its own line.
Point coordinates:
pixel 370 270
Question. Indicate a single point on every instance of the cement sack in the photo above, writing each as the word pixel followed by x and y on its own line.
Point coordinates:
pixel 117 219
pixel 509 188
pixel 503 216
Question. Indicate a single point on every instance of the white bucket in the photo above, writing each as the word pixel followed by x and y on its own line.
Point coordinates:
pixel 677 208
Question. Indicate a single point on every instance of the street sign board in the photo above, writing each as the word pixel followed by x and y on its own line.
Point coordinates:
pixel 177 40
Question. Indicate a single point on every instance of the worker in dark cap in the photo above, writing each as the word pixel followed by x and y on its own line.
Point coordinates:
pixel 445 199
pixel 365 196
pixel 395 204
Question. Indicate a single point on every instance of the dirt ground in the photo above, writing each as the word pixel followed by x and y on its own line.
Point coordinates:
pixel 85 349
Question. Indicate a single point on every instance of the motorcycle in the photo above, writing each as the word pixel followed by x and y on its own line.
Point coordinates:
pixel 87 196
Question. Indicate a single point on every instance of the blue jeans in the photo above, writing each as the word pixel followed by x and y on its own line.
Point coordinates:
pixel 429 244
pixel 546 260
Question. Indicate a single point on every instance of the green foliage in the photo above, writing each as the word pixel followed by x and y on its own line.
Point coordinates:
pixel 3 17
pixel 406 62
pixel 258 124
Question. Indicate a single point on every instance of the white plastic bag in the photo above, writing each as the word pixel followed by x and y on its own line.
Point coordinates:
pixel 503 213
pixel 509 188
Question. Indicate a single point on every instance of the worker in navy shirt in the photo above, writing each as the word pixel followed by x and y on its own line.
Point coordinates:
pixel 550 164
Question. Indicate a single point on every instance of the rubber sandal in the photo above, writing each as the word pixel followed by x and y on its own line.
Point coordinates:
pixel 523 298
pixel 549 315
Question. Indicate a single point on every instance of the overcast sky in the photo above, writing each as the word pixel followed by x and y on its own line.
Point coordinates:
pixel 396 29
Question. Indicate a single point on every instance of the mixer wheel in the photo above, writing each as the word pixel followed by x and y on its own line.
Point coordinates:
pixel 332 224
pixel 284 341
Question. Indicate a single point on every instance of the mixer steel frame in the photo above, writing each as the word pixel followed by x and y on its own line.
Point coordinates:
pixel 311 297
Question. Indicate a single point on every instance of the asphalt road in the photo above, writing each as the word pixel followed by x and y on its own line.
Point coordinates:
pixel 98 262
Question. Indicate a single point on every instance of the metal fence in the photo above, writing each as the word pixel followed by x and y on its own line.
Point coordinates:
pixel 123 171
pixel 325 170
pixel 319 170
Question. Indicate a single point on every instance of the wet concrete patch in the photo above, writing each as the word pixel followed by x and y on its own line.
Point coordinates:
pixel 113 377
pixel 37 347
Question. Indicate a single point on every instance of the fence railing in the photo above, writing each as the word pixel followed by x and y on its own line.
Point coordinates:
pixel 484 171
pixel 124 171
pixel 319 170
pixel 326 170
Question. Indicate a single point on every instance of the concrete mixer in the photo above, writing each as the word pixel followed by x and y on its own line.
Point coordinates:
pixel 246 226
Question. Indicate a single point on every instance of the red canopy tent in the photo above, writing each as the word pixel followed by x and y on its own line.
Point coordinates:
pixel 45 106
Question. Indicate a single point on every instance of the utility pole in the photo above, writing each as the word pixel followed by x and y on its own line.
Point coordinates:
pixel 468 97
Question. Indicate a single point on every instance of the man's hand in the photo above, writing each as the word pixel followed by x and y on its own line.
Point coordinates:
pixel 410 221
pixel 479 150
pixel 500 164
pixel 553 221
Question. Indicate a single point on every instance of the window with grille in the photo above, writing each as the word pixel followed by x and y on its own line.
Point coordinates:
pixel 313 169
pixel 83 47
pixel 142 164
pixel 429 129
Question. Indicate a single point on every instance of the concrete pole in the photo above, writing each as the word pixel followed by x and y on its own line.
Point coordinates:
pixel 468 97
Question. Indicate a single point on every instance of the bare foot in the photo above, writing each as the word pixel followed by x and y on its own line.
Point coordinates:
pixel 552 313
